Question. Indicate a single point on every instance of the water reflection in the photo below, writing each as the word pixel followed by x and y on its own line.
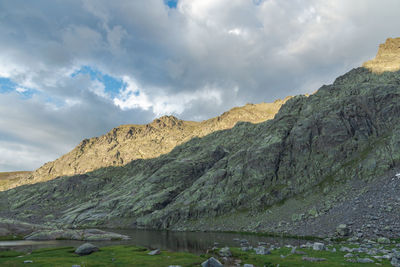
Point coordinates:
pixel 195 242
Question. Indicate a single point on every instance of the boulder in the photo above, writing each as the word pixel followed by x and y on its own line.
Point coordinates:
pixel 364 260
pixel 318 246
pixel 154 252
pixel 343 230
pixel 86 249
pixel 395 260
pixel 246 248
pixel 225 252
pixel 262 250
pixel 212 262
pixel 383 240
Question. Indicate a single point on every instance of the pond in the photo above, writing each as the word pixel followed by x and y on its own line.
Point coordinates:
pixel 194 242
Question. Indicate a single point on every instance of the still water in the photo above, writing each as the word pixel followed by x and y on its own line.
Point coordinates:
pixel 195 242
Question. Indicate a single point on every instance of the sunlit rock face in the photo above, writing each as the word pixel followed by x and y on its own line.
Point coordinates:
pixel 130 142
pixel 387 58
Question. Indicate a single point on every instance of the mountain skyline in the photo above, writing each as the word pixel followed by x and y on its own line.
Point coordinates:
pixel 75 70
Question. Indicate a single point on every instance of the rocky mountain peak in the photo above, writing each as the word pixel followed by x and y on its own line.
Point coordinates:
pixel 130 142
pixel 167 121
pixel 387 58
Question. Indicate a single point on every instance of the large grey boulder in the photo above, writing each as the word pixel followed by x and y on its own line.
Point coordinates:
pixel 364 260
pixel 86 249
pixel 225 252
pixel 383 240
pixel 262 250
pixel 212 262
pixel 318 246
pixel 343 230
pixel 154 252
pixel 395 260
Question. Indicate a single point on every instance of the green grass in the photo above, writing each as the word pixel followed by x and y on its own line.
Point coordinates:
pixel 10 254
pixel 137 256
pixel 332 258
pixel 122 255
pixel 11 237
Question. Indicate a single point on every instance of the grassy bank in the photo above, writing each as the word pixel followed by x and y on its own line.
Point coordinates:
pixel 107 256
pixel 137 256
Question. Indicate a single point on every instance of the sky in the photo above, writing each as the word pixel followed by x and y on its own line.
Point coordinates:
pixel 75 69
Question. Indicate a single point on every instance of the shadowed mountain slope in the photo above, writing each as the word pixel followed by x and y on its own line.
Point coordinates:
pixel 346 132
pixel 129 142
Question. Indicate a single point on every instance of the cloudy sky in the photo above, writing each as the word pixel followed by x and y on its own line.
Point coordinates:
pixel 75 69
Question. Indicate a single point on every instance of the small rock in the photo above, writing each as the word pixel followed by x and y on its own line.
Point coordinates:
pixel 248 265
pixel 383 240
pixel 86 249
pixel 343 230
pixel 334 250
pixel 262 251
pixel 293 251
pixel 246 248
pixel 311 259
pixel 225 252
pixel 76 266
pixel 154 252
pixel 346 249
pixel 28 261
pixel 212 262
pixel 318 246
pixel 348 255
pixel 364 260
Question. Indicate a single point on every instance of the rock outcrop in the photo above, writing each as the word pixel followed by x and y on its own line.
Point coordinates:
pixel 388 57
pixel 11 178
pixel 129 142
pixel 329 148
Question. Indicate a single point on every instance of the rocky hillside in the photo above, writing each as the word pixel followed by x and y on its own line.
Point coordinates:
pixel 316 154
pixel 325 159
pixel 129 142
pixel 7 178
pixel 388 57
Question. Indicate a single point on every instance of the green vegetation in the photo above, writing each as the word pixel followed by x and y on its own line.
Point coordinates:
pixel 107 256
pixel 137 256
pixel 11 237
pixel 332 258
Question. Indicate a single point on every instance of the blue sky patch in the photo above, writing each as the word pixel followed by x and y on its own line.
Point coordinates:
pixel 112 85
pixel 171 3
pixel 6 85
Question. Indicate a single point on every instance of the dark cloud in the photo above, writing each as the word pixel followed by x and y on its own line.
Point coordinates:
pixel 195 61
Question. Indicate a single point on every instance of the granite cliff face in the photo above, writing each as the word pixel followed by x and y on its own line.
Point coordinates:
pixel 129 142
pixel 308 156
pixel 388 57
pixel 318 154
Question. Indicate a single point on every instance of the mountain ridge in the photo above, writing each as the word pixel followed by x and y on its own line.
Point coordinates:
pixel 130 141
pixel 299 166
pixel 330 158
